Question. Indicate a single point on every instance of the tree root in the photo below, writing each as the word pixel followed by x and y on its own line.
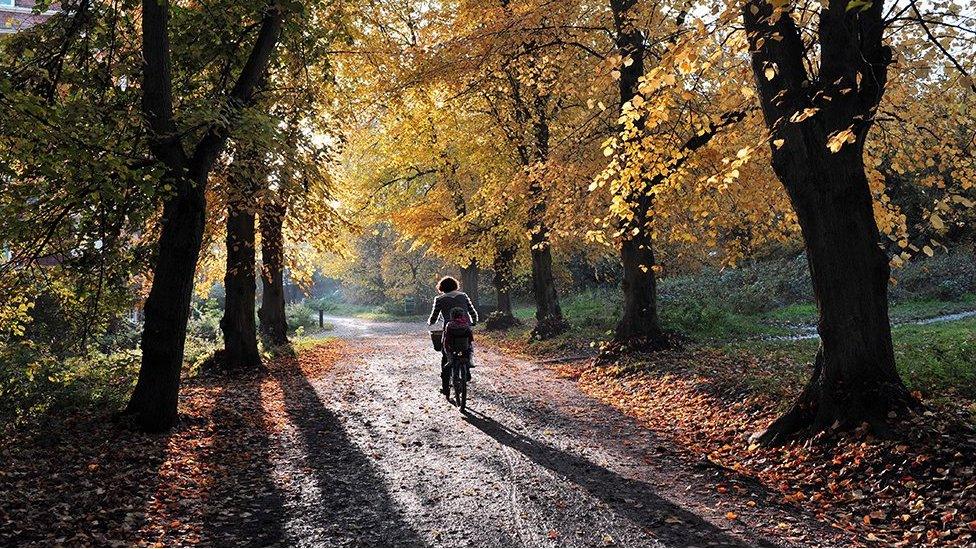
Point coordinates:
pixel 873 403
pixel 501 321
pixel 617 347
pixel 549 327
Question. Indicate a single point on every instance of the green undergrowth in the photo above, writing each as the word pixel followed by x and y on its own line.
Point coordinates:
pixel 715 318
pixel 37 385
pixel 34 385
pixel 938 360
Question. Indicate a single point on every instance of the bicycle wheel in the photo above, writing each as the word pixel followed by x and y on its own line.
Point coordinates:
pixel 456 380
pixel 462 390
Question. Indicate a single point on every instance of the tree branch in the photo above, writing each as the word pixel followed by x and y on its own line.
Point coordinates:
pixel 157 85
pixel 928 32
pixel 242 94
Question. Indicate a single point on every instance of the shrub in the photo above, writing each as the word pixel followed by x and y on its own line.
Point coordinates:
pixel 300 316
pixel 325 304
pixel 34 382
pixel 205 327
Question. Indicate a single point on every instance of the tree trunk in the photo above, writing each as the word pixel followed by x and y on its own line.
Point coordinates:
pixel 237 324
pixel 639 327
pixel 548 314
pixel 854 379
pixel 502 317
pixel 469 283
pixel 274 326
pixel 154 401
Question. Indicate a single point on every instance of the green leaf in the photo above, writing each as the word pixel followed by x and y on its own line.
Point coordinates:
pixel 859 5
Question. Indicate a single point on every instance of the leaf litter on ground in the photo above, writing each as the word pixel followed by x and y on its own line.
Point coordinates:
pixel 915 489
pixel 87 480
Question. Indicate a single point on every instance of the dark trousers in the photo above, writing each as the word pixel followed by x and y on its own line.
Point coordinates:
pixel 445 372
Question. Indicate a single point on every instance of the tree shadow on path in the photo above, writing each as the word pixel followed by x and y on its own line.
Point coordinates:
pixel 670 523
pixel 354 506
pixel 246 507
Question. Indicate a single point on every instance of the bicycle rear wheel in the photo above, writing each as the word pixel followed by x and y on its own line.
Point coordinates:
pixel 463 396
pixel 460 386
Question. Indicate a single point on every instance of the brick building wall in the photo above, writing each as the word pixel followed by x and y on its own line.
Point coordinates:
pixel 19 14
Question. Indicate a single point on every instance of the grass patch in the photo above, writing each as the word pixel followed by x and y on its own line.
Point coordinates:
pixel 311 341
pixel 798 313
pixel 939 359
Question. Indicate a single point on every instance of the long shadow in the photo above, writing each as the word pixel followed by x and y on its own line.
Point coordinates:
pixel 356 508
pixel 670 523
pixel 246 507
pixel 87 481
pixel 76 462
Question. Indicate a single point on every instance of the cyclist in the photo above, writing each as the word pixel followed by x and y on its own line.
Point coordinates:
pixel 451 297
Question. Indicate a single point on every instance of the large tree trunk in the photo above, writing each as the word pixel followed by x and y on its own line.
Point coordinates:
pixel 639 327
pixel 274 326
pixel 502 317
pixel 469 283
pixel 548 314
pixel 237 324
pixel 854 379
pixel 154 401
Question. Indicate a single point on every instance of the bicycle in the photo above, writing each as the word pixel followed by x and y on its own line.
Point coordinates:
pixel 460 363
pixel 460 373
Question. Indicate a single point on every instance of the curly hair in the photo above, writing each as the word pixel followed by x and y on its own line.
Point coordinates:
pixel 447 284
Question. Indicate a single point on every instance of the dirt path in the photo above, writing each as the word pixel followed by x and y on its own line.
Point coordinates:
pixel 534 463
pixel 352 445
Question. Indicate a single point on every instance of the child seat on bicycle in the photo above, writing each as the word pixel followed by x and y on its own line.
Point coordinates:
pixel 458 336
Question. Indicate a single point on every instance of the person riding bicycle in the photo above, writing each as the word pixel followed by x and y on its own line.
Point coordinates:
pixel 451 298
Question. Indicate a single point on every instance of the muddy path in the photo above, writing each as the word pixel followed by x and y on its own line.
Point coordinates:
pixel 534 462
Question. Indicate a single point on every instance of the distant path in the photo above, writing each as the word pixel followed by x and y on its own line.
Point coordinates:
pixel 809 331
pixel 354 328
pixel 536 463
